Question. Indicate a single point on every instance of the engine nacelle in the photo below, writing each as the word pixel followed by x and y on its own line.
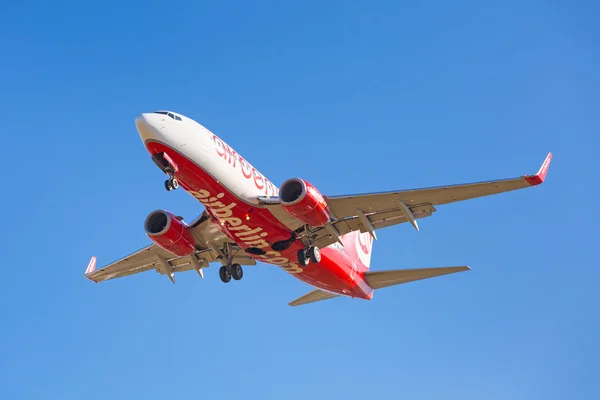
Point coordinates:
pixel 303 201
pixel 164 229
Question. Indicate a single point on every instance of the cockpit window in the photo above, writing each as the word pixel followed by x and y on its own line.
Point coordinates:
pixel 169 114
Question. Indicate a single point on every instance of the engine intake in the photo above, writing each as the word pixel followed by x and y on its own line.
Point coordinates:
pixel 169 233
pixel 302 200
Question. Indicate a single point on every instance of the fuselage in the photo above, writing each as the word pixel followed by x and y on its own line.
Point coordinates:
pixel 229 187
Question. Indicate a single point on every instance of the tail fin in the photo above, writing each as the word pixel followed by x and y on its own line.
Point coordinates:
pixel 359 245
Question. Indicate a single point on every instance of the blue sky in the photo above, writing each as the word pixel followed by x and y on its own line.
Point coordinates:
pixel 354 97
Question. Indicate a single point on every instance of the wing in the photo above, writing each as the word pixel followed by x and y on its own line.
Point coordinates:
pixel 373 211
pixel 210 242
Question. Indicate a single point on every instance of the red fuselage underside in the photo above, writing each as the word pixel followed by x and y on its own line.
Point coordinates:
pixel 338 271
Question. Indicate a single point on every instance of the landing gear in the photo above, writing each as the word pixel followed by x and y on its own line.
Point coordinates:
pixel 171 184
pixel 303 260
pixel 224 274
pixel 237 272
pixel 315 254
pixel 230 270
pixel 168 166
pixel 308 253
pixel 312 253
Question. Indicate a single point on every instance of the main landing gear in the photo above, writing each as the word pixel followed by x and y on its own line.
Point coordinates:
pixel 226 272
pixel 308 253
pixel 230 270
pixel 311 253
pixel 171 183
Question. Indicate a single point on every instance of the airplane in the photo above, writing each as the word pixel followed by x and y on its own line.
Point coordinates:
pixel 324 241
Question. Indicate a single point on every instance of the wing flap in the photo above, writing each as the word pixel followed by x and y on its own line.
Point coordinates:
pixel 381 279
pixel 311 297
pixel 378 220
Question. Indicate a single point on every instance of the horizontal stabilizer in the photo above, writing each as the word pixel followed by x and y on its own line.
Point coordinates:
pixel 381 279
pixel 311 297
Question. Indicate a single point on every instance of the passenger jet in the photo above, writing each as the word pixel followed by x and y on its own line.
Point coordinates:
pixel 325 241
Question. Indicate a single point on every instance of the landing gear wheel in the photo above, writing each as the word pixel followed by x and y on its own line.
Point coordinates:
pixel 171 184
pixel 237 272
pixel 302 258
pixel 315 254
pixel 224 274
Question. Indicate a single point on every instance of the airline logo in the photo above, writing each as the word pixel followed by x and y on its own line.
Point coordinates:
pixel 247 170
pixel 236 227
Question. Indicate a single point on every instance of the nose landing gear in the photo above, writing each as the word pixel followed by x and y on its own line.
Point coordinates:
pixel 168 166
pixel 171 184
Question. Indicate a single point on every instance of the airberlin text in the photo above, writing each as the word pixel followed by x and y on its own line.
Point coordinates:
pixel 252 237
pixel 249 172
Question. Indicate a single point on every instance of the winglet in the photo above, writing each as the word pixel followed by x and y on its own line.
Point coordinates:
pixel 91 268
pixel 539 178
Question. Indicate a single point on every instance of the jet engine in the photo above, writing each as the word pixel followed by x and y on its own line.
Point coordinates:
pixel 303 201
pixel 164 229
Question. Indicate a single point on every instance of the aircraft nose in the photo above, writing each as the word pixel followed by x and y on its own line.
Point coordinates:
pixel 148 126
